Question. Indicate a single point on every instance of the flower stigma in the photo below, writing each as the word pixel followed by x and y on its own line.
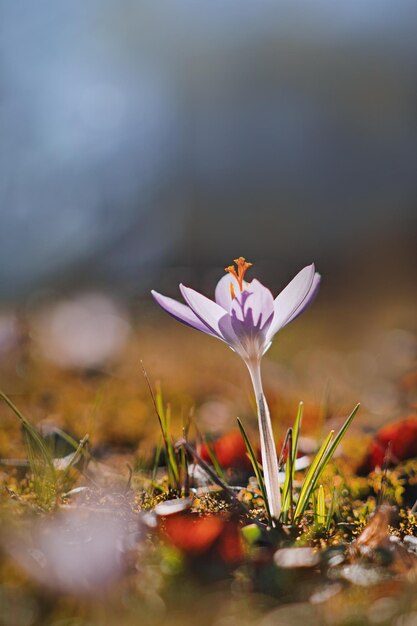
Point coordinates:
pixel 242 267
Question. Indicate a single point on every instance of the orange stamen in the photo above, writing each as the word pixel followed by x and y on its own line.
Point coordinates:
pixel 232 291
pixel 242 267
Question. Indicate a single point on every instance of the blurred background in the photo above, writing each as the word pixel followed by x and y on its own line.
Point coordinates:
pixel 142 146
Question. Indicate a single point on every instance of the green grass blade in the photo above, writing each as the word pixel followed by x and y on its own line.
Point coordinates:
pixel 320 515
pixel 296 429
pixel 256 469
pixel 325 454
pixel 330 512
pixel 332 448
pixel 30 429
pixel 281 459
pixel 309 481
pixel 39 457
pixel 159 401
pixel 156 460
pixel 214 460
pixel 287 496
pixel 171 456
pixel 287 487
pixel 336 441
pixel 171 451
pixel 164 418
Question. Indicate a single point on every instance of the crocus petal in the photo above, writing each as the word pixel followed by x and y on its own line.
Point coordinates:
pixel 182 313
pixel 291 299
pixel 314 289
pixel 255 305
pixel 208 311
pixel 222 294
pixel 229 335
pixel 251 314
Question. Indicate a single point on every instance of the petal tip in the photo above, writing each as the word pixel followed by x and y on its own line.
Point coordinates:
pixel 183 289
pixel 159 297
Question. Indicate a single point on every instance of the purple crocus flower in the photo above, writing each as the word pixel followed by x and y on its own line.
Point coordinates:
pixel 246 317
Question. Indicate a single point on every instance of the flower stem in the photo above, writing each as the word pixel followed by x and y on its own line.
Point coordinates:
pixel 268 449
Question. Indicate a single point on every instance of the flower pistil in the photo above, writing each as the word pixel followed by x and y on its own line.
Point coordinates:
pixel 242 267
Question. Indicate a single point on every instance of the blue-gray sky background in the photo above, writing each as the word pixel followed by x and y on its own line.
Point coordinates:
pixel 142 143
